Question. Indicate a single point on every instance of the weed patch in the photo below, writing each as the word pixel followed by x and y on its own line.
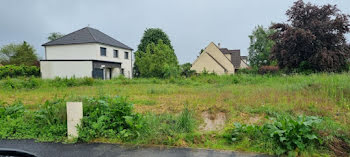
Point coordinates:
pixel 289 135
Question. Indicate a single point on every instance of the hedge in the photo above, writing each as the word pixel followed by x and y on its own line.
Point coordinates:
pixel 18 71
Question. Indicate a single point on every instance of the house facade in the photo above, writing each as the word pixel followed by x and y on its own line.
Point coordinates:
pixel 219 60
pixel 86 53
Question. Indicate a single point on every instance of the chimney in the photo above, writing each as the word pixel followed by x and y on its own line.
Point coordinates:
pixel 219 45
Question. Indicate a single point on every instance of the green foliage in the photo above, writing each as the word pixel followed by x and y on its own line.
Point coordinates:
pixel 72 82
pixel 26 83
pixel 186 122
pixel 185 70
pixel 46 124
pixel 54 36
pixel 153 35
pixel 288 134
pixel 260 47
pixel 159 60
pixel 150 36
pixel 18 54
pixel 291 134
pixel 166 128
pixel 109 117
pixel 18 71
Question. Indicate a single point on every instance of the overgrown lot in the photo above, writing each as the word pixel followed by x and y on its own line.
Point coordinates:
pixel 295 115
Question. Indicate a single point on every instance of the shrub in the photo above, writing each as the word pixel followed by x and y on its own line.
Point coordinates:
pixel 31 83
pixel 247 71
pixel 19 83
pixel 9 83
pixel 72 82
pixel 109 117
pixel 268 70
pixel 51 120
pixel 287 134
pixel 88 81
pixel 185 70
pixel 290 134
pixel 19 71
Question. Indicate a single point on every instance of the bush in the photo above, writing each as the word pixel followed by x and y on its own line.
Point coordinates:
pixel 27 83
pixel 72 82
pixel 185 70
pixel 109 117
pixel 19 71
pixel 288 135
pixel 268 70
pixel 291 134
pixel 46 124
pixel 247 71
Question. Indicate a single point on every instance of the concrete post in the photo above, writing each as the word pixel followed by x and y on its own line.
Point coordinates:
pixel 74 116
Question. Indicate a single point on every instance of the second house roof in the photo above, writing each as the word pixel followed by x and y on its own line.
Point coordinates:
pixel 87 35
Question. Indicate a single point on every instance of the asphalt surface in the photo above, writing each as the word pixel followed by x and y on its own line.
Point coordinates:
pixel 112 150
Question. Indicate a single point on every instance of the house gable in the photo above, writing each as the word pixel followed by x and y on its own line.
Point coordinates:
pixel 212 59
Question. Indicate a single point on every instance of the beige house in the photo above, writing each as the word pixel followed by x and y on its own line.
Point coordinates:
pixel 219 60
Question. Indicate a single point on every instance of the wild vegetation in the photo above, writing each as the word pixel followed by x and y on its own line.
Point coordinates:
pixel 295 114
pixel 312 40
pixel 13 71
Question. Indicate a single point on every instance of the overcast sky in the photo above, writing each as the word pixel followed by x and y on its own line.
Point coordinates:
pixel 190 24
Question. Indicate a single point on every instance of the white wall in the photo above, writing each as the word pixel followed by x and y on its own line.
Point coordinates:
pixel 78 69
pixel 89 51
pixel 73 51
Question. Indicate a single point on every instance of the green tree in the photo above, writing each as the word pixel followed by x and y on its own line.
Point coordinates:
pixel 186 71
pixel 54 36
pixel 18 54
pixel 260 47
pixel 151 35
pixel 159 60
pixel 313 39
pixel 6 52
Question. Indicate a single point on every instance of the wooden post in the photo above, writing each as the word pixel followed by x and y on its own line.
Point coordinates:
pixel 74 116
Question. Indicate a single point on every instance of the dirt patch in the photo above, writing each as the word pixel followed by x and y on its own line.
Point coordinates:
pixel 213 122
pixel 339 147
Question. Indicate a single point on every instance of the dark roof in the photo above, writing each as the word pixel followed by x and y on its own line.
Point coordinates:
pixel 87 35
pixel 235 56
pixel 244 57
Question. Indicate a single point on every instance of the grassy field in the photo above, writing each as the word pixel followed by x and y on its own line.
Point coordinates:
pixel 247 99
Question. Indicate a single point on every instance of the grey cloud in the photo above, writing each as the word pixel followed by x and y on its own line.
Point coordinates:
pixel 190 24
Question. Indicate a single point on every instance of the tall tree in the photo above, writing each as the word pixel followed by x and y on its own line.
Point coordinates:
pixel 260 47
pixel 151 35
pixel 6 52
pixel 18 54
pixel 159 60
pixel 313 39
pixel 54 36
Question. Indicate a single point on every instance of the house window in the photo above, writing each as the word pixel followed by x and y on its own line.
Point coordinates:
pixel 122 72
pixel 103 51
pixel 115 53
pixel 126 55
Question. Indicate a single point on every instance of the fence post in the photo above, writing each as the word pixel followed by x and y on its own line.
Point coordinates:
pixel 74 116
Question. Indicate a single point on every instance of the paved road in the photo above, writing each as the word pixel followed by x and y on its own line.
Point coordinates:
pixel 113 150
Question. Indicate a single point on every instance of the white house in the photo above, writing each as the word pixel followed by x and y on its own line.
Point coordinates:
pixel 86 53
